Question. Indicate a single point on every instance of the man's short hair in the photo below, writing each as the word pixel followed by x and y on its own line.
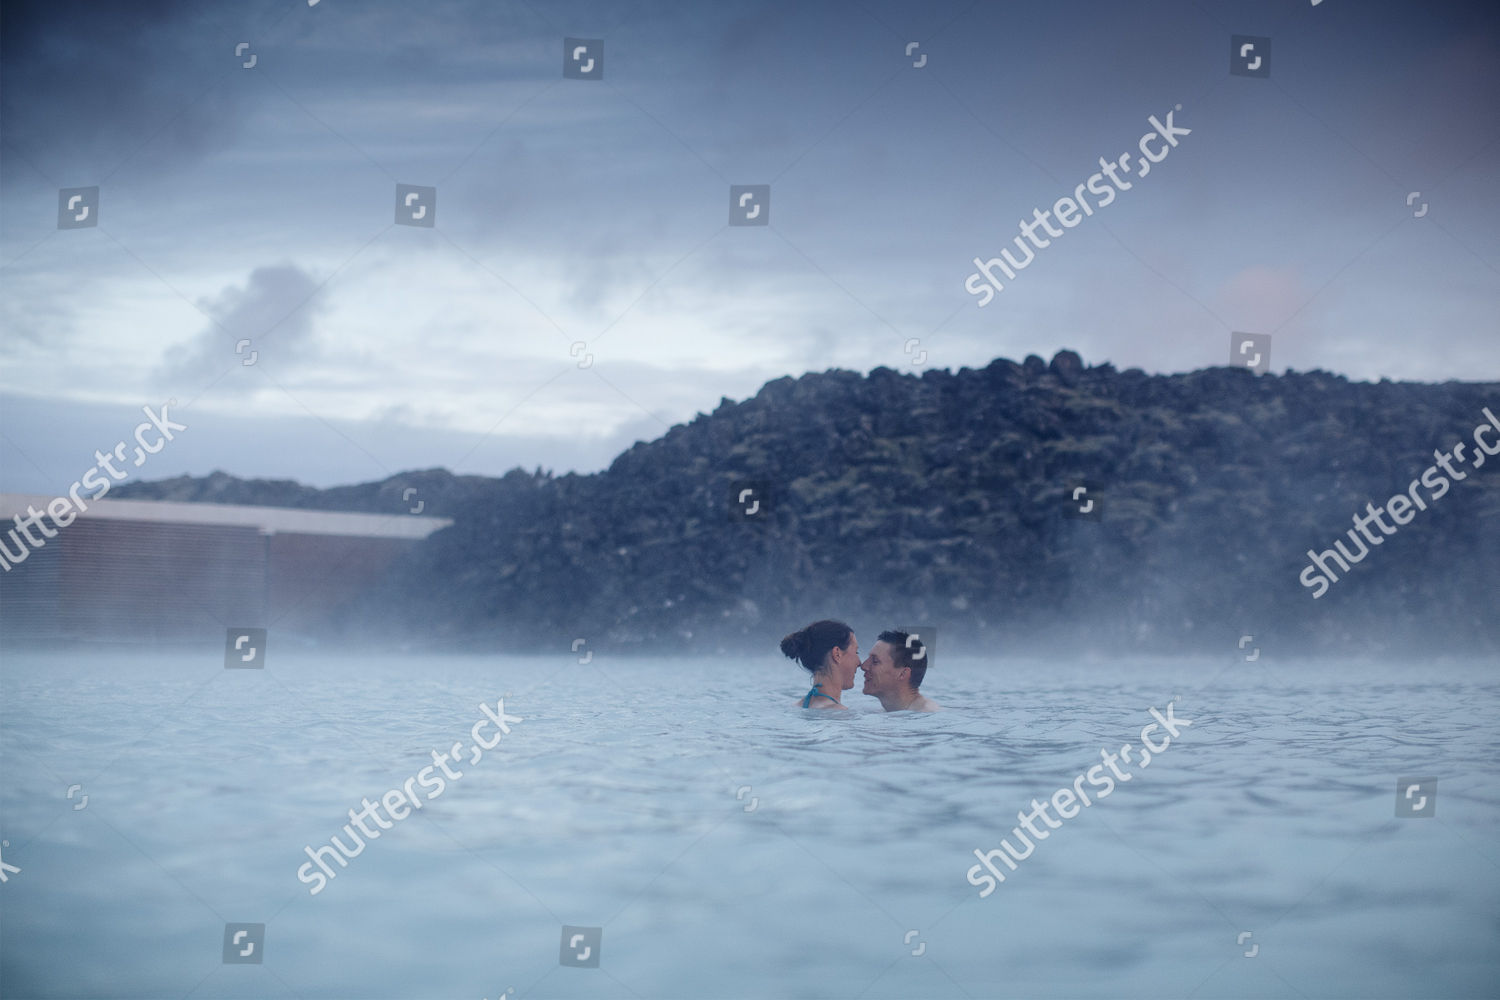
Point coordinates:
pixel 908 651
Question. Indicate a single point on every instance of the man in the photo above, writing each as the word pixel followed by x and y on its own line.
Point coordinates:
pixel 894 672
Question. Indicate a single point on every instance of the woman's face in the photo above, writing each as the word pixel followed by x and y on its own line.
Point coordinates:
pixel 846 662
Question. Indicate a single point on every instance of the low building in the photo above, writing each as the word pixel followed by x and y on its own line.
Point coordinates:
pixel 142 571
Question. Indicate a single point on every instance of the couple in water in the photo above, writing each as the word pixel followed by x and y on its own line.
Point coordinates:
pixel 893 672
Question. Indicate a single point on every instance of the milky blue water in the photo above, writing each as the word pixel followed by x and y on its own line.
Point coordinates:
pixel 727 844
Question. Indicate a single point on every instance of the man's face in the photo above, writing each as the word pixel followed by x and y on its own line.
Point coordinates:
pixel 882 676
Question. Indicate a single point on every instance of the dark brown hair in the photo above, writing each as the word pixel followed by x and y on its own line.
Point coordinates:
pixel 910 654
pixel 809 646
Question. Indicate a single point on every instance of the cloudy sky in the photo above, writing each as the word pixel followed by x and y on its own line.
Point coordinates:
pixel 581 286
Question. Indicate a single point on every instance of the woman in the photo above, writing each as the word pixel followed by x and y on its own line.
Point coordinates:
pixel 830 652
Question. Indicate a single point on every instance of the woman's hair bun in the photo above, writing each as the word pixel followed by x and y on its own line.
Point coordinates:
pixel 809 646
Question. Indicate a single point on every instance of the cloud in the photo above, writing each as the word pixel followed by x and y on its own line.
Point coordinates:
pixel 84 86
pixel 274 310
pixel 597 212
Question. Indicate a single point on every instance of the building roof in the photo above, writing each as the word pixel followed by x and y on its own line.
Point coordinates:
pixel 269 520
